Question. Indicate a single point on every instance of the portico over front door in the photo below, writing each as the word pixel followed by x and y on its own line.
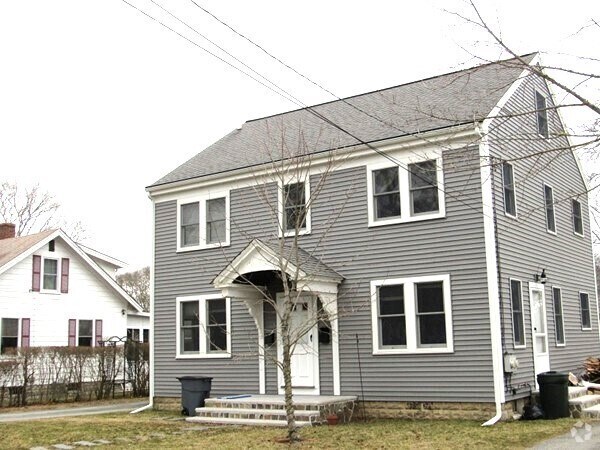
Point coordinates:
pixel 305 355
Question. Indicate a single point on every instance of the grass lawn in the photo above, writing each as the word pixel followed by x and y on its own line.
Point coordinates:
pixel 160 430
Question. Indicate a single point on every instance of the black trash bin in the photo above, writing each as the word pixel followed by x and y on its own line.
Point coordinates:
pixel 554 394
pixel 194 390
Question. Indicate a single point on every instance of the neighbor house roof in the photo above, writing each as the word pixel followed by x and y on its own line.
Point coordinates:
pixel 456 98
pixel 12 247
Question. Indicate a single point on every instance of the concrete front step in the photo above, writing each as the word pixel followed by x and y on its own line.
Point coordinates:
pixel 577 391
pixel 253 413
pixel 593 412
pixel 252 422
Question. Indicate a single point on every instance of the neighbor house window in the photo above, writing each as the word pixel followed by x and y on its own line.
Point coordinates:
pixel 386 193
pixel 405 193
pixel 508 182
pixel 85 333
pixel 516 297
pixel 204 222
pixel 559 326
pixel 133 334
pixel 50 275
pixel 586 318
pixel 541 114
pixel 294 209
pixel 9 340
pixel 549 202
pixel 577 217
pixel 204 327
pixel 190 224
pixel 412 315
pixel 423 187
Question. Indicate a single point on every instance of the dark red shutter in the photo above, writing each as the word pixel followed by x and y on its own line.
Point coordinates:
pixel 72 332
pixel 36 276
pixel 25 324
pixel 98 332
pixel 64 276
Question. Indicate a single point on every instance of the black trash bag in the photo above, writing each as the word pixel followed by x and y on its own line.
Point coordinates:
pixel 532 412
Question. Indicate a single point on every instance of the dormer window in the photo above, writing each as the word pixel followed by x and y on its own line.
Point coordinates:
pixel 541 114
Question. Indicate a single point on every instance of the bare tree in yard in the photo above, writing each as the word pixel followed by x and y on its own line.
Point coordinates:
pixel 32 209
pixel 137 285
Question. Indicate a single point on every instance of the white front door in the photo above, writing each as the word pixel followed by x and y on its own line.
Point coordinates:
pixel 305 356
pixel 539 329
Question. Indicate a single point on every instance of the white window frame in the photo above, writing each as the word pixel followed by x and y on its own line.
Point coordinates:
pixel 506 213
pixel 93 336
pixel 512 317
pixel 562 317
pixel 280 208
pixel 538 112
pixel 406 214
pixel 19 331
pixel 202 353
pixel 202 200
pixel 573 218
pixel 43 273
pixel 410 312
pixel 544 186
pixel 581 311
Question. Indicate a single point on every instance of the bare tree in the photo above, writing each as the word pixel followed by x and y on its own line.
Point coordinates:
pixel 137 285
pixel 32 209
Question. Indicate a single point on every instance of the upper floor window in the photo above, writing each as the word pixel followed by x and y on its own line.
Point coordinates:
pixel 412 315
pixel 586 318
pixel 508 183
pixel 50 275
pixel 408 193
pixel 559 327
pixel 518 319
pixel 294 211
pixel 541 114
pixel 577 217
pixel 549 202
pixel 203 222
pixel 204 324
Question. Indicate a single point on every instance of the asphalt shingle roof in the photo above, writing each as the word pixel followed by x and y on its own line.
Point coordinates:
pixel 443 101
pixel 12 247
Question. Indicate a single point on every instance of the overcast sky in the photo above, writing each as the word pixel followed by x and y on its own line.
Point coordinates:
pixel 98 101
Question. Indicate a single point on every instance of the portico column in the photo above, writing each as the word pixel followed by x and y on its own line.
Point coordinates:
pixel 254 299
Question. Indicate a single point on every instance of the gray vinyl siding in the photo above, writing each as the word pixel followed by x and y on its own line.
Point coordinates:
pixel 524 245
pixel 452 245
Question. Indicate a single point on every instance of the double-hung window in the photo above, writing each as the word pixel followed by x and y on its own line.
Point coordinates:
pixel 204 325
pixel 85 333
pixel 9 339
pixel 559 326
pixel 518 319
pixel 405 193
pixel 50 274
pixel 508 184
pixel 549 203
pixel 294 210
pixel 584 304
pixel 541 114
pixel 577 217
pixel 203 222
pixel 412 315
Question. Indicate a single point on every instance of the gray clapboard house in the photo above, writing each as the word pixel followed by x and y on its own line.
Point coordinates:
pixel 446 237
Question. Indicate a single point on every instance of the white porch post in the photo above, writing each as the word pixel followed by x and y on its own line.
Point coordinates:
pixel 253 298
pixel 330 305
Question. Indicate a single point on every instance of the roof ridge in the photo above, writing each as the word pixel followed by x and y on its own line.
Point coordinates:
pixel 433 77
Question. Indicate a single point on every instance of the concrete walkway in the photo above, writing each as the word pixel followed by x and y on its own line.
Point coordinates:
pixel 583 436
pixel 70 412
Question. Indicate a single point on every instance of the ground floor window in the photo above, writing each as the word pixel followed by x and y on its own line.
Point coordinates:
pixel 9 335
pixel 518 319
pixel 204 325
pixel 411 315
pixel 559 326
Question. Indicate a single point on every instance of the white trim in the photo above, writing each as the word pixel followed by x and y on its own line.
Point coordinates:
pixel 514 190
pixel 562 317
pixel 152 327
pixel 302 178
pixel 19 331
pixel 555 232
pixel 96 254
pixel 43 272
pixel 202 201
pixel 512 316
pixel 410 315
pixel 544 356
pixel 406 214
pixel 202 353
pixel 581 311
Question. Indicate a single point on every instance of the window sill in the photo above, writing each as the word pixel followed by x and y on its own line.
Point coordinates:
pixel 511 216
pixel 578 234
pixel 406 351
pixel 46 291
pixel 396 220
pixel 205 356
pixel 586 329
pixel 520 347
pixel 202 247
pixel 561 345
pixel 553 233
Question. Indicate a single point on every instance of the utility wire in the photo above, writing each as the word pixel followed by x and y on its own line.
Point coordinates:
pixel 284 94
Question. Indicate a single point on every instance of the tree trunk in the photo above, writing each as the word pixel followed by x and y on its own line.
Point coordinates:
pixel 287 382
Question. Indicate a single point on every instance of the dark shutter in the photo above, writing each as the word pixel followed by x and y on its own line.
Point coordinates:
pixel 64 276
pixel 72 332
pixel 36 276
pixel 98 332
pixel 25 324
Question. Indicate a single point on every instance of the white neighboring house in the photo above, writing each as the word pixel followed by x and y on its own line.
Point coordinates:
pixel 55 292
